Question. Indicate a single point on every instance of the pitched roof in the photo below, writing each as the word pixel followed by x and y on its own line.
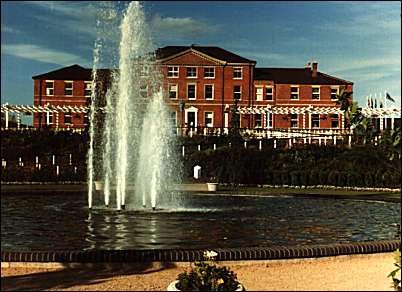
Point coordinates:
pixel 73 72
pixel 215 52
pixel 296 76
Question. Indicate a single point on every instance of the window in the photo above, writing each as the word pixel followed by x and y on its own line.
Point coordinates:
pixel 67 118
pixel 49 118
pixel 209 119
pixel 87 88
pixel 334 92
pixel 173 121
pixel 191 91
pixel 144 91
pixel 49 87
pixel 209 91
pixel 294 92
pixel 269 93
pixel 191 72
pixel 173 91
pixel 315 120
pixel 259 93
pixel 293 121
pixel 209 72
pixel 68 88
pixel 334 121
pixel 237 73
pixel 237 92
pixel 268 120
pixel 258 121
pixel 315 92
pixel 173 72
pixel 144 70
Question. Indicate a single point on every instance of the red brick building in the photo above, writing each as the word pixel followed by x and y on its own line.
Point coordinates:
pixel 202 84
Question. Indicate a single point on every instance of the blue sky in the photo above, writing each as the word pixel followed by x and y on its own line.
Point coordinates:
pixel 356 41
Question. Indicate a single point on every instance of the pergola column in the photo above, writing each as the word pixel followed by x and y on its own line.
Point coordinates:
pixel 18 120
pixel 6 119
pixel 381 123
pixel 57 120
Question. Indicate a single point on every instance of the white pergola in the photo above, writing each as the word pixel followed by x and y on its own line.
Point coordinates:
pixel 307 111
pixel 31 109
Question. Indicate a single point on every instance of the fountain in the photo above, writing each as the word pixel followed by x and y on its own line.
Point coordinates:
pixel 136 157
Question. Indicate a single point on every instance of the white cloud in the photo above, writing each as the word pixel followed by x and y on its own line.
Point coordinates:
pixel 367 19
pixel 7 29
pixel 181 27
pixel 41 54
pixel 366 63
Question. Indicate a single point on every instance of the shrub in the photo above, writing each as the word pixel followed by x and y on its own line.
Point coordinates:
pixel 207 277
pixel 396 282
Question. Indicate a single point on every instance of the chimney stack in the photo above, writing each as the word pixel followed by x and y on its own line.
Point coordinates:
pixel 314 68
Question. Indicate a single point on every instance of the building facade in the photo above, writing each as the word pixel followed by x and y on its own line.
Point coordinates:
pixel 203 85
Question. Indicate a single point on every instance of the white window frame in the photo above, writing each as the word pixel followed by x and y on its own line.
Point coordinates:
pixel 85 87
pixel 68 114
pixel 196 72
pixel 312 119
pixel 176 91
pixel 294 120
pixel 173 72
pixel 335 119
pixel 213 92
pixel 241 73
pixel 337 92
pixel 312 92
pixel 211 125
pixel 259 96
pixel 209 77
pixel 268 120
pixel 291 93
pixel 47 89
pixel 255 121
pixel 143 90
pixel 173 119
pixel 236 92
pixel 272 93
pixel 195 91
pixel 72 87
pixel 49 118
pixel 144 70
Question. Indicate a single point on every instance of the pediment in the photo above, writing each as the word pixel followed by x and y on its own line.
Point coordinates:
pixel 192 57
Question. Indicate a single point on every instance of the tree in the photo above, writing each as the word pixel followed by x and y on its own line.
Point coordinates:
pixel 344 99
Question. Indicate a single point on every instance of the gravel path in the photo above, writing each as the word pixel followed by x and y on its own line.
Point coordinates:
pixel 355 272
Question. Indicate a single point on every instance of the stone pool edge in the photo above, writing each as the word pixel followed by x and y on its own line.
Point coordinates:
pixel 190 255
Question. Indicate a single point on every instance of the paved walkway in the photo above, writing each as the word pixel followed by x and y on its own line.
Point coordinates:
pixel 340 273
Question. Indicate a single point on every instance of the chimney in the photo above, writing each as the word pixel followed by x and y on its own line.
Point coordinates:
pixel 314 68
pixel 308 65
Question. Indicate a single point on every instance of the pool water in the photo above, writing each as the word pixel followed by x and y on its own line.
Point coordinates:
pixel 61 221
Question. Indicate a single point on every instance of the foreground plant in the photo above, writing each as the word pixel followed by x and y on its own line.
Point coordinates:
pixel 206 276
pixel 396 274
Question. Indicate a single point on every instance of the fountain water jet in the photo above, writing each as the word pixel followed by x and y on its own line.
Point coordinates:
pixel 137 135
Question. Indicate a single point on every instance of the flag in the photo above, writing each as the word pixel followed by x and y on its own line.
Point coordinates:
pixel 389 97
